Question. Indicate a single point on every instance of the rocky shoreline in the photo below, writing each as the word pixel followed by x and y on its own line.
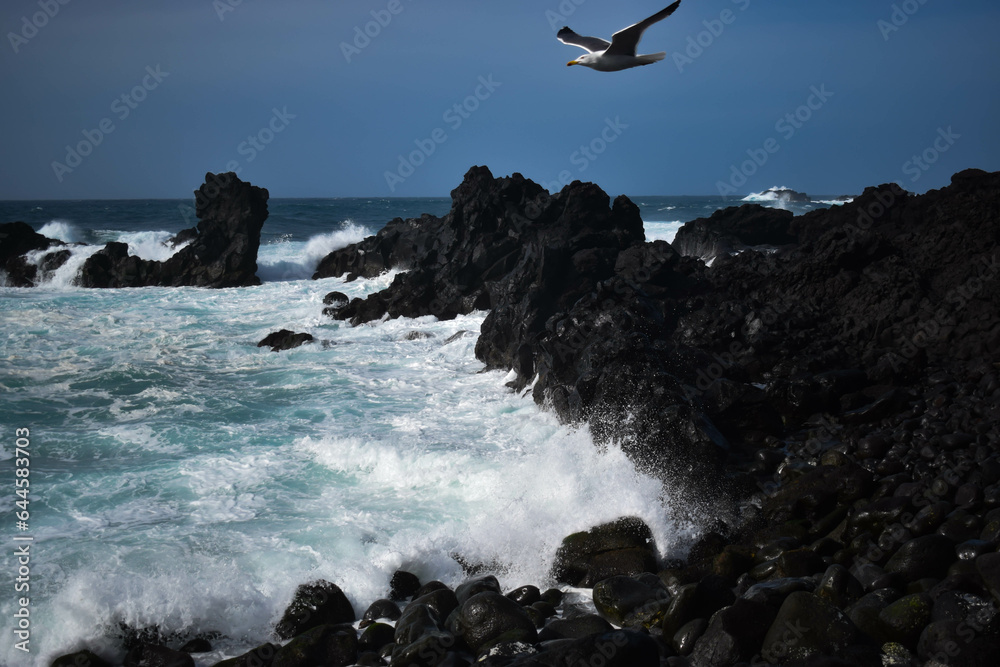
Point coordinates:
pixel 836 380
pixel 221 251
pixel 829 387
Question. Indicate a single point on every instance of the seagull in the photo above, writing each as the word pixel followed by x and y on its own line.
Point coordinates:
pixel 619 53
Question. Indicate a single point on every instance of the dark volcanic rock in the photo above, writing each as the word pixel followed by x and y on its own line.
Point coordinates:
pixel 850 376
pixel 525 595
pixel 627 602
pixel 222 251
pixel 807 626
pixel 619 648
pixel 16 240
pixel 734 634
pixel 378 610
pixel 903 620
pixel 456 263
pixel 686 366
pixel 466 590
pixel 403 585
pixel 927 556
pixel 262 656
pixel 416 621
pixel 285 340
pixel 574 628
pixel 80 659
pixel 532 258
pixel 442 601
pixel 487 617
pixel 330 645
pixel 732 230
pixel 622 547
pixel 375 636
pixel 153 655
pixel 314 604
pixel 197 645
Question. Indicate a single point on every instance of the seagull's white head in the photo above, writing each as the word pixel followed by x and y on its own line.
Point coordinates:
pixel 586 60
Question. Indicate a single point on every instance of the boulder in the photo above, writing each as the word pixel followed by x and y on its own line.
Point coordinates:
pixel 375 636
pixel 628 602
pixel 525 595
pixel 988 566
pixel 197 645
pixel 904 620
pixel 475 586
pixel 262 656
pixel 315 604
pixel 80 659
pixel 927 556
pixel 155 655
pixel 285 340
pixel 865 612
pixel 330 645
pixel 442 601
pixel 807 626
pixel 433 649
pixel 488 617
pixel 622 547
pixel 416 621
pixel 734 634
pixel 403 585
pixel 380 609
pixel 574 628
pixel 618 648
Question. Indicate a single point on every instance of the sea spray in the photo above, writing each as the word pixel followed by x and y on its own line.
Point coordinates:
pixel 192 480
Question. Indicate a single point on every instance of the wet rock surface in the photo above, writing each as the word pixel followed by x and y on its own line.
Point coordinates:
pixel 285 340
pixel 314 604
pixel 17 239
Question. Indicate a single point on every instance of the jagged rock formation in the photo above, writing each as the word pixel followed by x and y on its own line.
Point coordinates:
pixel 221 250
pixel 678 362
pixel 17 239
pixel 496 227
pixel 733 230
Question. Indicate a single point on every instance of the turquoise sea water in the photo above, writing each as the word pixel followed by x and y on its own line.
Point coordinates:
pixel 183 477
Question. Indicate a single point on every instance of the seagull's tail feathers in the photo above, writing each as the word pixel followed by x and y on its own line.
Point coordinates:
pixel 652 58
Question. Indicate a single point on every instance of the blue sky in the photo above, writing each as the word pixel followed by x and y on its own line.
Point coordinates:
pixel 821 97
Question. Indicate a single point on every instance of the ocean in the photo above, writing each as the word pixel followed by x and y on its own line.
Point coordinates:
pixel 184 478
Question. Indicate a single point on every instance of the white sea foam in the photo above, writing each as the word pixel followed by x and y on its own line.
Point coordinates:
pixel 65 276
pixel 290 260
pixel 760 196
pixel 662 230
pixel 150 245
pixel 62 230
pixel 146 245
pixel 193 480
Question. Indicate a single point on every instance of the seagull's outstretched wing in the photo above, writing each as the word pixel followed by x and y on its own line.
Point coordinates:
pixel 592 44
pixel 624 41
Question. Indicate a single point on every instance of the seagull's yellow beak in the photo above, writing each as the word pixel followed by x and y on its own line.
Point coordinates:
pixel 572 62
